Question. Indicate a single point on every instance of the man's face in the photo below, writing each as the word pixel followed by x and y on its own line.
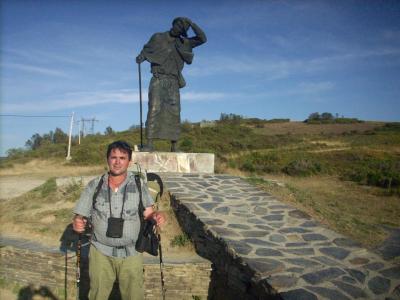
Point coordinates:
pixel 118 162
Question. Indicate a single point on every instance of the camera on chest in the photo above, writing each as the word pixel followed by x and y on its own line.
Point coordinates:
pixel 115 227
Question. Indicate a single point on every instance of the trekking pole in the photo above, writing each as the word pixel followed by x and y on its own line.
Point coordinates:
pixel 158 197
pixel 161 267
pixel 78 264
pixel 140 101
pixel 66 273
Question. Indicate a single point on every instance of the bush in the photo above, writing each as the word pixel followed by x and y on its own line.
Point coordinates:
pixel 374 172
pixel 302 167
pixel 186 144
pixel 278 121
pixel 180 240
pixel 50 186
pixel 89 154
pixel 260 163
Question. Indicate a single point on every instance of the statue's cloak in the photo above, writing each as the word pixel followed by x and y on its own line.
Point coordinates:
pixel 167 56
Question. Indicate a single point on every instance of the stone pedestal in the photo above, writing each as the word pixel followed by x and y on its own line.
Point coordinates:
pixel 174 162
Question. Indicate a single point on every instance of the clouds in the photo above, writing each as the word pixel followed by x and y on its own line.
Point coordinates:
pixel 73 100
pixel 107 99
pixel 35 69
pixel 275 68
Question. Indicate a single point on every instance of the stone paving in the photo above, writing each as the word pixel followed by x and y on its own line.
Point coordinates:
pixel 298 257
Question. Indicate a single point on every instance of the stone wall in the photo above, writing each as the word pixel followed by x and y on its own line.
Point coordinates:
pixel 231 278
pixel 47 270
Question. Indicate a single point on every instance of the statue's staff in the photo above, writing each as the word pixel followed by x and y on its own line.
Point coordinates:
pixel 140 101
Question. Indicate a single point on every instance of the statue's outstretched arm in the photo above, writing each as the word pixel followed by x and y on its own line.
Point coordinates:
pixel 199 38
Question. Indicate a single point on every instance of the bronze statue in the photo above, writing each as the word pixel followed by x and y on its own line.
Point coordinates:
pixel 168 52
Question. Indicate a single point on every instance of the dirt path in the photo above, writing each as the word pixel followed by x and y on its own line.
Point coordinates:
pixel 14 186
pixel 21 178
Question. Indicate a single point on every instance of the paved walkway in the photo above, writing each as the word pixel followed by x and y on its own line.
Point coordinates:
pixel 299 258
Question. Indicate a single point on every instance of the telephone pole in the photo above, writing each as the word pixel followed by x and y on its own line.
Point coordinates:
pixel 70 137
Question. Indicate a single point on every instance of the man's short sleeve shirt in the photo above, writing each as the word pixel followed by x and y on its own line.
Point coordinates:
pixel 99 214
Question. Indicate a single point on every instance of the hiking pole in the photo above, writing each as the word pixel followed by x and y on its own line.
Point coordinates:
pixel 140 101
pixel 154 176
pixel 66 273
pixel 161 266
pixel 78 264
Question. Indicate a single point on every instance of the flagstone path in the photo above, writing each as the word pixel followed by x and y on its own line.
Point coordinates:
pixel 287 252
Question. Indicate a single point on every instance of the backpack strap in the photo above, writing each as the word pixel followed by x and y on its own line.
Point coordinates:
pixel 141 207
pixel 97 191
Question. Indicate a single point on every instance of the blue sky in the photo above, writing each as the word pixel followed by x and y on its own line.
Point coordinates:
pixel 265 59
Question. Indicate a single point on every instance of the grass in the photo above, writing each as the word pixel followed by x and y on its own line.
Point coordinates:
pixel 45 211
pixel 180 240
pixel 345 175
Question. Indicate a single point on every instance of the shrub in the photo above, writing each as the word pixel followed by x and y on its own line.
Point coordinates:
pixel 260 163
pixel 186 144
pixel 86 154
pixel 375 172
pixel 278 121
pixel 48 187
pixel 302 167
pixel 180 240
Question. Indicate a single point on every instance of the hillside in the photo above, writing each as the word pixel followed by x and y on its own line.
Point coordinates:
pixel 345 175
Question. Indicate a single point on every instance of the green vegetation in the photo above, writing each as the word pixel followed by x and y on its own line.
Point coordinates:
pixel 47 188
pixel 180 240
pixel 357 164
pixel 328 118
pixel 367 155
pixel 46 209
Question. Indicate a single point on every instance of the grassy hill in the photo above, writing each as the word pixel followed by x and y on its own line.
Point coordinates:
pixel 346 175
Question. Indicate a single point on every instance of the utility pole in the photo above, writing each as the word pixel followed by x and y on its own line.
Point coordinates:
pixel 91 130
pixel 82 127
pixel 78 123
pixel 70 137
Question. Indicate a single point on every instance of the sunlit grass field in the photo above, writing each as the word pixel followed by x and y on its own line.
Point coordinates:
pixel 345 175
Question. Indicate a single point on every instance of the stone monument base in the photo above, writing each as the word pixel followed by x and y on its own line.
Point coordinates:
pixel 174 162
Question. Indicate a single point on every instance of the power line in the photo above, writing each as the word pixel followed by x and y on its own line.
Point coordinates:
pixel 32 116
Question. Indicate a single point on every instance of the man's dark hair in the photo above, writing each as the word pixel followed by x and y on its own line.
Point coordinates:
pixel 121 145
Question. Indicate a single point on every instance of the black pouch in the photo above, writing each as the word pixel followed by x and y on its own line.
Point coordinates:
pixel 115 227
pixel 147 240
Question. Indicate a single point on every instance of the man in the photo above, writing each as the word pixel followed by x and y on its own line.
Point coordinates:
pixel 167 52
pixel 114 257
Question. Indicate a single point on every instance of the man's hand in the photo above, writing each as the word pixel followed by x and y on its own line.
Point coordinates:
pixel 140 58
pixel 79 223
pixel 159 217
